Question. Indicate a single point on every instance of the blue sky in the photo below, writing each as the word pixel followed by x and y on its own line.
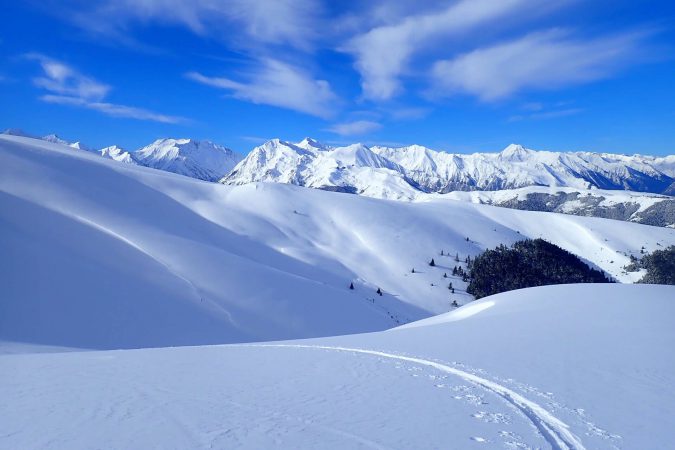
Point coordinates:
pixel 462 76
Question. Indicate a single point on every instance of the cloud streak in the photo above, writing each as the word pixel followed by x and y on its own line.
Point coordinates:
pixel 67 86
pixel 383 54
pixel 355 128
pixel 113 110
pixel 278 84
pixel 248 22
pixel 538 61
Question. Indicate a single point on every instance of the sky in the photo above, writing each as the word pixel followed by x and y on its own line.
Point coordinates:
pixel 461 76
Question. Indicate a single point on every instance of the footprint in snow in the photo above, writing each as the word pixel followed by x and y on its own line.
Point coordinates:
pixel 492 417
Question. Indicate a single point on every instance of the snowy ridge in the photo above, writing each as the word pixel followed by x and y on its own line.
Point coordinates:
pixel 203 160
pixel 197 159
pixel 405 172
pixel 649 209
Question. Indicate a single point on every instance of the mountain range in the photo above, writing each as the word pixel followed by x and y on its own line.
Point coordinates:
pixel 634 188
pixel 203 160
pixel 404 172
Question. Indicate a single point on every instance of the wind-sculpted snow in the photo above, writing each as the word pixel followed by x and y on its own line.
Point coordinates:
pixel 555 431
pixel 560 367
pixel 103 249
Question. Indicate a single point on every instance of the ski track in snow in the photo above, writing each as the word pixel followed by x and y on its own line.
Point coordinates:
pixel 552 429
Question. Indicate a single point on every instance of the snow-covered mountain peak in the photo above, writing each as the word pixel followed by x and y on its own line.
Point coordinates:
pixel 55 139
pixel 312 144
pixel 515 152
pixel 198 159
pixel 118 154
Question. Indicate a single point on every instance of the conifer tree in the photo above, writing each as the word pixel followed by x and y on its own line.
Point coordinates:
pixel 379 291
pixel 351 285
pixel 432 263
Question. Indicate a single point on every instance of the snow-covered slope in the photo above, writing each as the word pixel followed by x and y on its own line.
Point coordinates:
pixel 560 367
pixel 403 173
pixel 118 154
pixel 516 167
pixel 354 169
pixel 650 209
pixel 203 160
pixel 116 255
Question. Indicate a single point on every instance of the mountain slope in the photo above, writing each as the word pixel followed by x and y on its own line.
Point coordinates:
pixel 405 172
pixel 561 367
pixel 649 209
pixel 119 256
pixel 203 160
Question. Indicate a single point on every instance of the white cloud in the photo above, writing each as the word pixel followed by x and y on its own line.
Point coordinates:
pixel 112 109
pixel 383 53
pixel 247 21
pixel 278 84
pixel 68 86
pixel 62 79
pixel 545 60
pixel 355 128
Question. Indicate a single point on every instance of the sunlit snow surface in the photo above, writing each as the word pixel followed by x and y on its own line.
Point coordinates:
pixel 102 255
pixel 572 366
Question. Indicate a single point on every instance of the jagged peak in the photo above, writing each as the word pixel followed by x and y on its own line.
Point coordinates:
pixel 514 151
pixel 311 144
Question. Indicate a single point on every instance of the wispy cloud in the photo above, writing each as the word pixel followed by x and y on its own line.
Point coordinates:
pixel 278 84
pixel 355 128
pixel 64 80
pixel 248 22
pixel 383 53
pixel 543 115
pixel 544 60
pixel 112 109
pixel 67 86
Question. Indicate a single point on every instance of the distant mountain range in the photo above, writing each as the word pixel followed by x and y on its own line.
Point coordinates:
pixel 404 172
pixel 516 177
pixel 203 160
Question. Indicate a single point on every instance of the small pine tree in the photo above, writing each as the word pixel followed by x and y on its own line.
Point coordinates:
pixel 413 270
pixel 442 253
pixel 453 290
pixel 445 275
pixel 455 304
pixel 454 271
pixel 351 285
pixel 450 286
pixel 467 239
pixel 432 263
pixel 456 257
pixel 379 291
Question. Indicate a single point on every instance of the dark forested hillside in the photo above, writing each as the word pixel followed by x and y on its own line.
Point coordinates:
pixel 527 263
pixel 660 266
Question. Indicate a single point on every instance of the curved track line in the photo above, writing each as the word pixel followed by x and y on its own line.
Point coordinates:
pixel 554 430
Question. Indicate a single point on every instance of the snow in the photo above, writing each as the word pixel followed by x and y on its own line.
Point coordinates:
pixel 561 367
pixel 115 276
pixel 415 169
pixel 101 249
pixel 203 160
